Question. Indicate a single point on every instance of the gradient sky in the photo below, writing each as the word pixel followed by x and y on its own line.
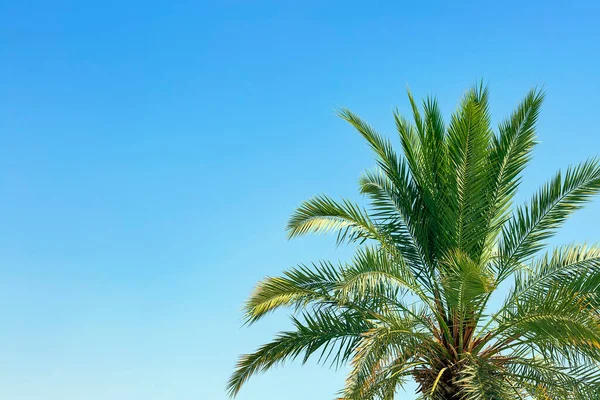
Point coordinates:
pixel 152 152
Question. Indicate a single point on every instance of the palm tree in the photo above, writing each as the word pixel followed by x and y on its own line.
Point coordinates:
pixel 439 238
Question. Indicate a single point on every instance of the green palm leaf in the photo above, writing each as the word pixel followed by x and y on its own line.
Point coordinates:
pixel 531 225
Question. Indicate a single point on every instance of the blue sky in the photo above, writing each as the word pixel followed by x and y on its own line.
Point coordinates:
pixel 152 152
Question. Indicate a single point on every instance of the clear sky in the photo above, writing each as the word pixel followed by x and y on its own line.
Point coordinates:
pixel 152 152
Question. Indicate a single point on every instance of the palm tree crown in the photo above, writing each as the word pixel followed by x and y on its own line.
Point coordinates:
pixel 438 238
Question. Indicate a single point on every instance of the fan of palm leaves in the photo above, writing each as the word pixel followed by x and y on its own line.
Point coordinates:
pixel 438 238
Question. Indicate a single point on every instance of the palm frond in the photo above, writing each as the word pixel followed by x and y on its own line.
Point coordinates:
pixel 322 330
pixel 468 173
pixel 297 287
pixel 558 321
pixel 531 225
pixel 392 206
pixel 322 214
pixel 510 153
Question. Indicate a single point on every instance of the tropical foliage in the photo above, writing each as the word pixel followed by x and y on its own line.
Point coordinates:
pixel 439 236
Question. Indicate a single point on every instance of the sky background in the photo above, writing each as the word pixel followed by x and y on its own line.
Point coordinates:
pixel 151 154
